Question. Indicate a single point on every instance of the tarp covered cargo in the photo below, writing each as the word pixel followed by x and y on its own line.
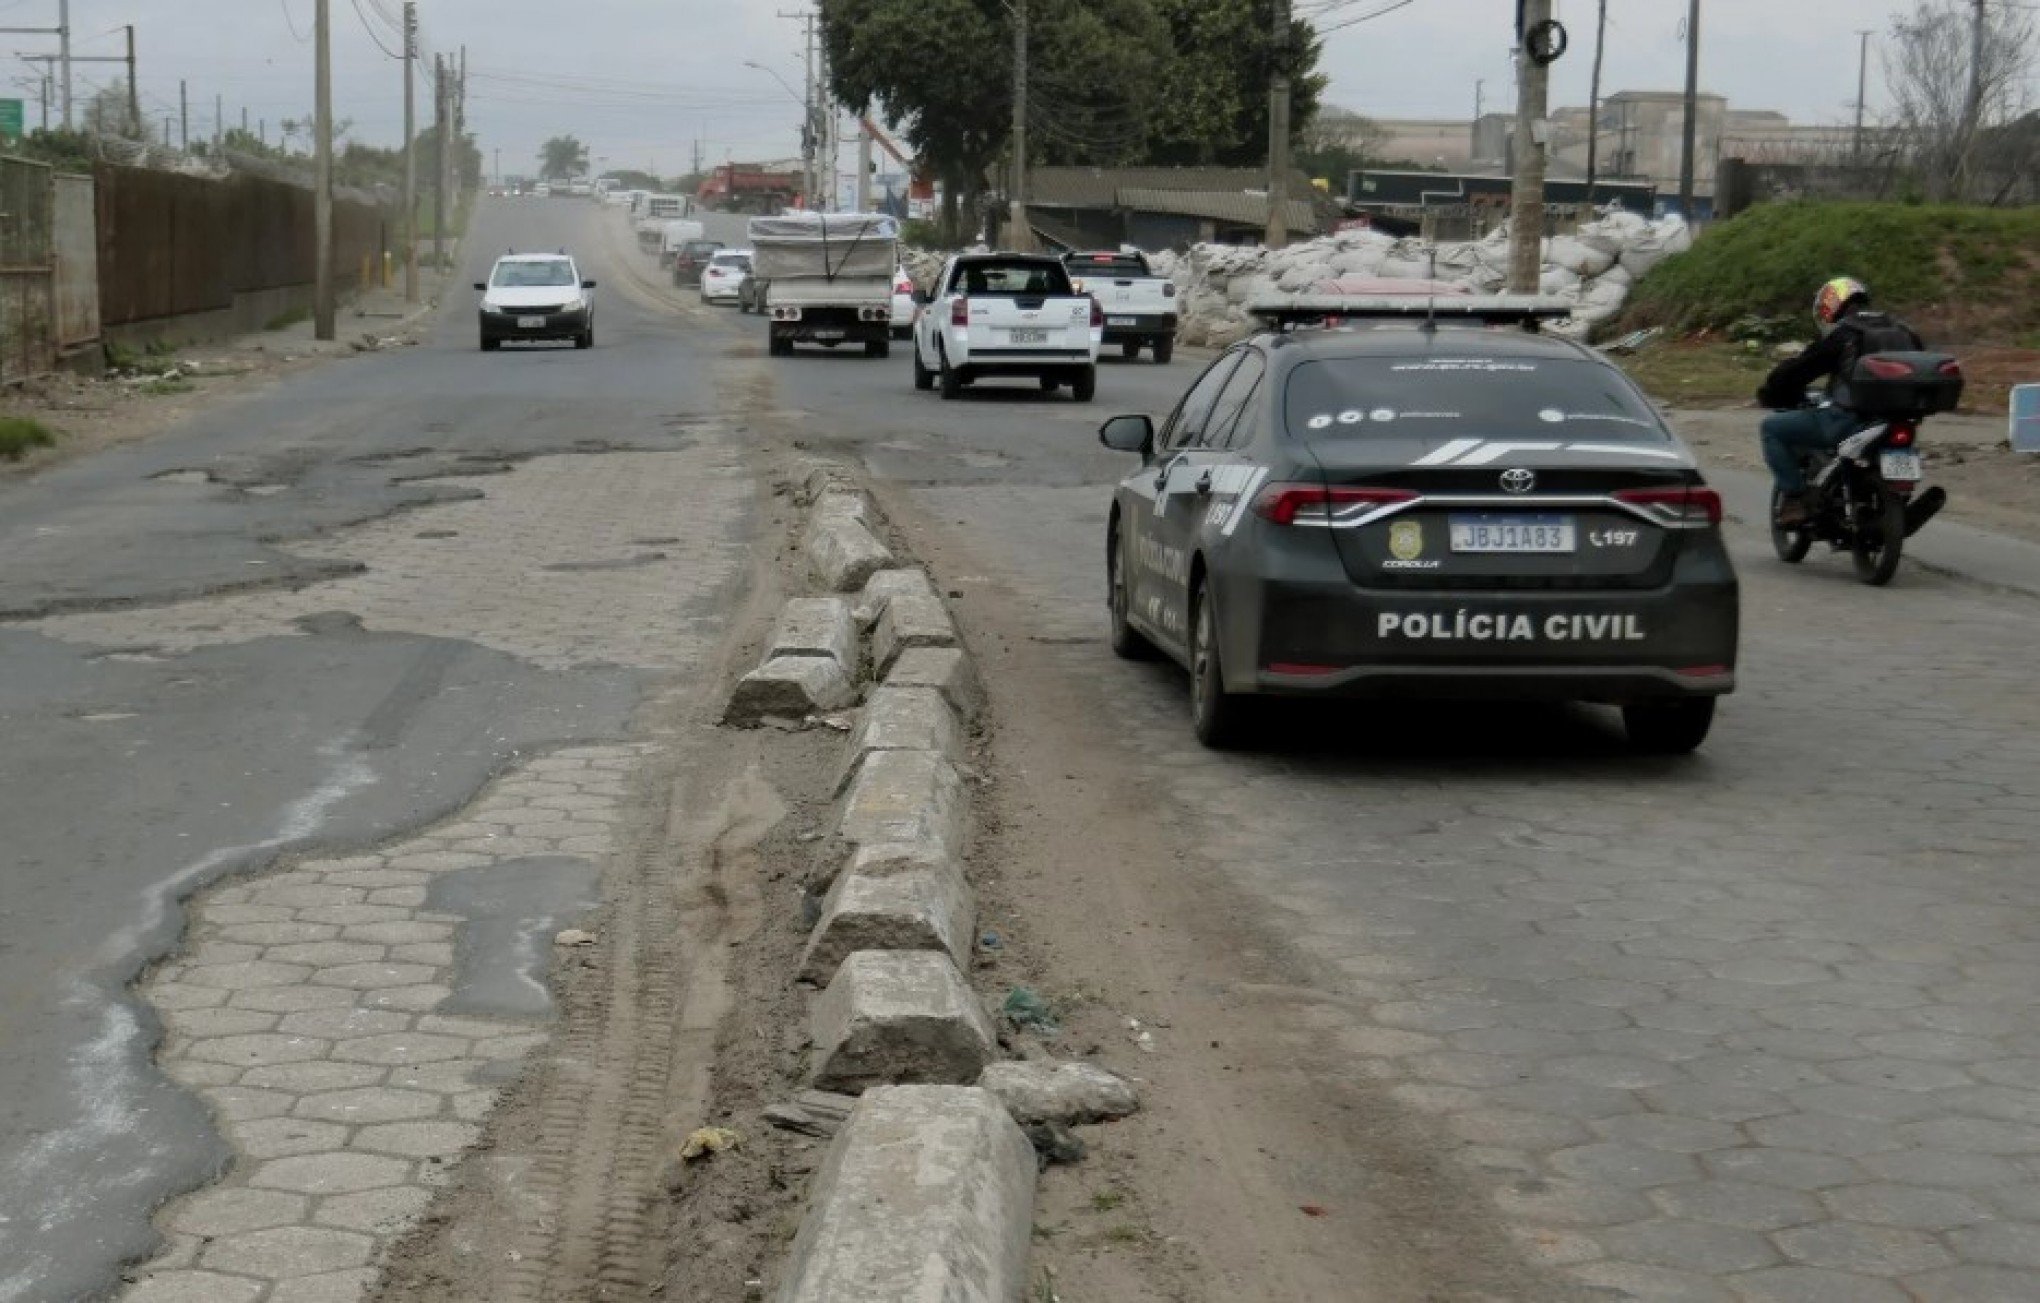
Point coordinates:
pixel 824 246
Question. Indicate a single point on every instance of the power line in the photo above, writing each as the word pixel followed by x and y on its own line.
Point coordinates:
pixel 366 26
pixel 291 23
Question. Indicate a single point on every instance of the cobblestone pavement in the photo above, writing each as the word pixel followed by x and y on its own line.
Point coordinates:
pixel 351 1020
pixel 1760 1026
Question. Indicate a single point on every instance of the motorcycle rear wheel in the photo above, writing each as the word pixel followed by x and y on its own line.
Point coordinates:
pixel 1879 538
pixel 1791 545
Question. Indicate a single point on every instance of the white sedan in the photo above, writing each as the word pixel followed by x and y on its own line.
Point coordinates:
pixel 724 276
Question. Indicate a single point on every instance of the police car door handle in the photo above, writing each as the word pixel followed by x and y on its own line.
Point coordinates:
pixel 1204 484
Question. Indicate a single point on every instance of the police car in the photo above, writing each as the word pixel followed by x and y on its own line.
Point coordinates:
pixel 1405 497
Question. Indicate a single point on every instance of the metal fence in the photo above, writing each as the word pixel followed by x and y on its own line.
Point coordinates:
pixel 76 248
pixel 28 338
pixel 171 245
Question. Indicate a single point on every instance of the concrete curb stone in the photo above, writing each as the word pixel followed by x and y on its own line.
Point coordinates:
pixel 911 798
pixel 843 503
pixel 907 623
pixel 902 719
pixel 906 906
pixel 844 554
pixel 816 626
pixel 927 1194
pixel 882 587
pixel 890 1017
pixel 948 670
pixel 789 687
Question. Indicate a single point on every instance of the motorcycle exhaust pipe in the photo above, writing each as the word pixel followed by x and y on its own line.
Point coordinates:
pixel 1923 508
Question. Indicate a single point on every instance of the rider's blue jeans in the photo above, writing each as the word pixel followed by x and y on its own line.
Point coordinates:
pixel 1786 435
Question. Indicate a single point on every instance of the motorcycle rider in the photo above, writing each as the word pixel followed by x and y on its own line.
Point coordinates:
pixel 1849 329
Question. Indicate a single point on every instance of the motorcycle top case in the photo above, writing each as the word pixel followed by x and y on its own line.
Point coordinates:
pixel 1905 384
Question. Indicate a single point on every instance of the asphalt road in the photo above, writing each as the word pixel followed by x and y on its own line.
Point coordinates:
pixel 1760 1024
pixel 228 646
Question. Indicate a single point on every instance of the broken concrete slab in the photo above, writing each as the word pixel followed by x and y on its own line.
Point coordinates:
pixel 789 687
pixel 906 907
pixel 911 798
pixel 906 623
pixel 898 1016
pixel 886 585
pixel 816 626
pixel 878 859
pixel 902 719
pixel 844 554
pixel 811 1113
pixel 948 670
pixel 927 1194
pixel 1050 1091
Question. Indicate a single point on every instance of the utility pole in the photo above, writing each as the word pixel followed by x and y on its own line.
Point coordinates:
pixel 1526 206
pixel 863 167
pixel 1479 112
pixel 409 225
pixel 1972 112
pixel 1594 106
pixel 1689 144
pixel 1277 234
pixel 439 116
pixel 809 146
pixel 322 193
pixel 183 118
pixel 1020 232
pixel 1862 93
pixel 219 122
pixel 64 53
pixel 134 95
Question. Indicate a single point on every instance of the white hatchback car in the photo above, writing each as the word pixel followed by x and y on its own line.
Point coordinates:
pixel 536 296
pixel 723 278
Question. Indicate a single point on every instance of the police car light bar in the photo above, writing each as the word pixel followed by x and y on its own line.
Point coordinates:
pixel 1285 310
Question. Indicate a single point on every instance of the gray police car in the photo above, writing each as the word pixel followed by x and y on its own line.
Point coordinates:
pixel 1394 497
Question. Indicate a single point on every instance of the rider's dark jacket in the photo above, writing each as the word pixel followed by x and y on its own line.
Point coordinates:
pixel 1834 355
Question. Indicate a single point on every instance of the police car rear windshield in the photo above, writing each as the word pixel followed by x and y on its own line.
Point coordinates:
pixel 1436 397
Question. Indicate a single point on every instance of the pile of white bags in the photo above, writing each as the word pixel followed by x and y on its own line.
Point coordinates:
pixel 1593 269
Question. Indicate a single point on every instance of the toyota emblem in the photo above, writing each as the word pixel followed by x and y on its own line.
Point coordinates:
pixel 1518 480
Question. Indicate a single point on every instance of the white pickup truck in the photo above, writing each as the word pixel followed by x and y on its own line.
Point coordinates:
pixel 1006 314
pixel 1140 307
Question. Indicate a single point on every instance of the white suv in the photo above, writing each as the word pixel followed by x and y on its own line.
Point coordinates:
pixel 531 296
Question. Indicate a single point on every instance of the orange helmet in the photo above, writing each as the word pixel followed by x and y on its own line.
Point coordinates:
pixel 1837 297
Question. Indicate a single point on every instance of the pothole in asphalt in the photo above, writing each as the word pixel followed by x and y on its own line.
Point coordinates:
pixel 264 490
pixel 102 716
pixel 184 477
pixel 514 909
pixel 437 533
pixel 620 563
pixel 653 542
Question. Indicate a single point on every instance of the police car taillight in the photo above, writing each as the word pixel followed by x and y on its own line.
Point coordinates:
pixel 1097 314
pixel 1688 506
pixel 1315 504
pixel 959 312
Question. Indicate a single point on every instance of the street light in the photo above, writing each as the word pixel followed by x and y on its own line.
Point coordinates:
pixel 783 83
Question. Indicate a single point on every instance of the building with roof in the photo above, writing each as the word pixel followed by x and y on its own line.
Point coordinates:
pixel 1160 207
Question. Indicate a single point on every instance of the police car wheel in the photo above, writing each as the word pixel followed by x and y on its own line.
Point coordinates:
pixel 1668 728
pixel 1218 717
pixel 1128 643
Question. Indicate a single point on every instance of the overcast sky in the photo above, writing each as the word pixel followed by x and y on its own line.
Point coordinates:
pixel 641 80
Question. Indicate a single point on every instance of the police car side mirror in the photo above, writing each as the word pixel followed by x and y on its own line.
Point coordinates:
pixel 480 286
pixel 587 285
pixel 1128 434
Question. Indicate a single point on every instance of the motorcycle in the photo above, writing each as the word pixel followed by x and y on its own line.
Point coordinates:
pixel 1865 498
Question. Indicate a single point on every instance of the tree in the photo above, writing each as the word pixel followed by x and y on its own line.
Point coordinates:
pixel 1211 100
pixel 1946 99
pixel 1338 142
pixel 940 71
pixel 562 158
pixel 1090 64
